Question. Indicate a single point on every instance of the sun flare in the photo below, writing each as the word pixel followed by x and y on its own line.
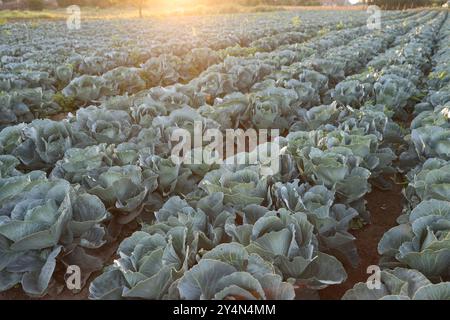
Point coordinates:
pixel 174 4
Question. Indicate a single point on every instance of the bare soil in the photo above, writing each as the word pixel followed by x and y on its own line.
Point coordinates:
pixel 58 117
pixel 385 207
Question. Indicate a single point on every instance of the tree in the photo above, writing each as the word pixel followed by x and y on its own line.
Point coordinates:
pixel 401 4
pixel 140 4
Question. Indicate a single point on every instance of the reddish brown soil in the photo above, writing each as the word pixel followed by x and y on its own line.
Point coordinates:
pixel 58 117
pixel 384 207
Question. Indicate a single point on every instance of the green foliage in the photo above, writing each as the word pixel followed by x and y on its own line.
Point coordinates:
pixel 238 51
pixel 403 4
pixel 66 103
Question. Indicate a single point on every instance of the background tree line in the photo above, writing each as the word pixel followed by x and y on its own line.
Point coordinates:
pixel 405 4
pixel 196 2
pixel 385 4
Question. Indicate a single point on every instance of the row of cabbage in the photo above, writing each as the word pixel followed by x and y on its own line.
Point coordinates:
pixel 33 83
pixel 278 226
pixel 31 86
pixel 149 37
pixel 415 254
pixel 166 69
pixel 241 72
pixel 220 92
pixel 169 69
pixel 122 42
pixel 283 221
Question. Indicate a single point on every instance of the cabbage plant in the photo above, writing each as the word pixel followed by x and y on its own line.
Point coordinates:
pixel 400 284
pixel 330 219
pixel 423 242
pixel 44 220
pixel 230 272
pixel 286 240
pixel 39 144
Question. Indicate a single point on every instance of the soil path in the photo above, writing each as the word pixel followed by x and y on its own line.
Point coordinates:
pixel 385 207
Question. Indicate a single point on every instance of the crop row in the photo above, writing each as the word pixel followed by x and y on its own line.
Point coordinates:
pixel 211 231
pixel 33 87
pixel 416 253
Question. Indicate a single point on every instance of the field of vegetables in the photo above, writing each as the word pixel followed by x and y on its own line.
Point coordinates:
pixel 87 178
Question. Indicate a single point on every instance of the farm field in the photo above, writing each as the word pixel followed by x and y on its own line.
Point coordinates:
pixel 115 161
